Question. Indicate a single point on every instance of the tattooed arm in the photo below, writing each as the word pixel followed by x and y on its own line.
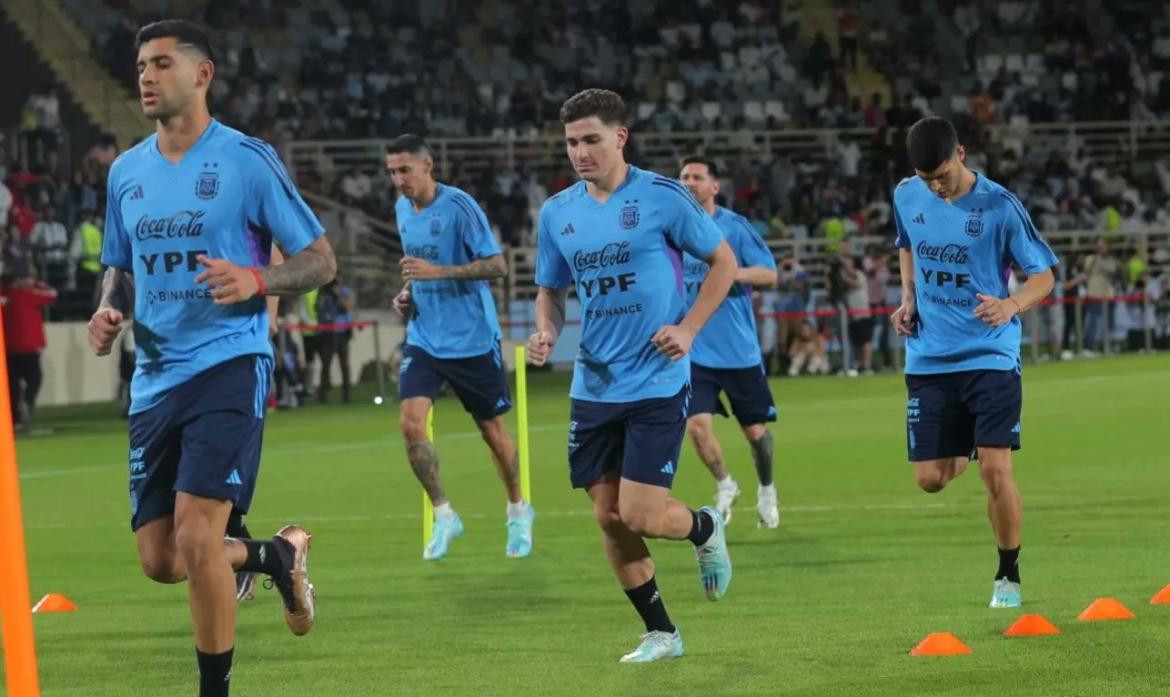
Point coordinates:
pixel 116 304
pixel 311 268
pixel 415 269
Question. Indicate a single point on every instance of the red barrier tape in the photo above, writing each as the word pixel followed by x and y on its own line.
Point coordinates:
pixel 334 327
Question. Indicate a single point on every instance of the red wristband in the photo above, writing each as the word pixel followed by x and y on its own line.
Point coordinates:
pixel 261 289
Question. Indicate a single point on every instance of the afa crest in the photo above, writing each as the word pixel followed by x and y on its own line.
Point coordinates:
pixel 436 227
pixel 974 227
pixel 629 217
pixel 207 185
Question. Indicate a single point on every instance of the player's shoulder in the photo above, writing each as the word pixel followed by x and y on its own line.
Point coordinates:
pixel 131 158
pixel 458 200
pixel 996 195
pixel 731 221
pixel 245 149
pixel 563 198
pixel 908 188
pixel 666 191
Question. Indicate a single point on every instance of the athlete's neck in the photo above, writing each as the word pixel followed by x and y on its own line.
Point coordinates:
pixel 179 133
pixel 425 196
pixel 966 183
pixel 709 206
pixel 603 189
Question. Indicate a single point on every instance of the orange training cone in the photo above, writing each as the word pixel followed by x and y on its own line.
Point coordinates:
pixel 940 644
pixel 55 602
pixel 1105 609
pixel 1031 625
pixel 1162 598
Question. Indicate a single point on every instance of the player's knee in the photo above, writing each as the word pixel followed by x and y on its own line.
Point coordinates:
pixel 754 432
pixel 640 522
pixel 197 543
pixel 414 427
pixel 698 430
pixel 931 481
pixel 995 474
pixel 607 518
pixel 161 567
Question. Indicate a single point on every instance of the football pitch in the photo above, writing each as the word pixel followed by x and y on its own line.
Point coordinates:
pixel 863 566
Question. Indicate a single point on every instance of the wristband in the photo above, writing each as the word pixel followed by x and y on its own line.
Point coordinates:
pixel 261 289
pixel 1019 307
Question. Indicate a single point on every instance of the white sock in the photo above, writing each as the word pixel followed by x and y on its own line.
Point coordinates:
pixel 770 489
pixel 444 510
pixel 728 483
pixel 515 510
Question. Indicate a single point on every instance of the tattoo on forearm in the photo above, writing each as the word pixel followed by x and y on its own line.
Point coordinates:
pixel 479 270
pixel 118 291
pixel 425 463
pixel 762 455
pixel 312 268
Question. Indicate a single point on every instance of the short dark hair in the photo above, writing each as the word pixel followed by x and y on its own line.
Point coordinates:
pixel 606 105
pixel 185 32
pixel 712 168
pixel 408 143
pixel 931 142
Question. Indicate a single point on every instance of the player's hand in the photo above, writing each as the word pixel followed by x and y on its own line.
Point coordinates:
pixel 995 312
pixel 229 283
pixel 403 301
pixel 673 341
pixel 104 327
pixel 905 319
pixel 540 346
pixel 415 269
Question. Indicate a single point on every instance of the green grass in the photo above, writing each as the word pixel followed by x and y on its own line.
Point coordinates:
pixel 863 567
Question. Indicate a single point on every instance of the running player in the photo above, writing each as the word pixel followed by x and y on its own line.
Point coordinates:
pixel 618 236
pixel 453 335
pixel 192 212
pixel 726 356
pixel 958 233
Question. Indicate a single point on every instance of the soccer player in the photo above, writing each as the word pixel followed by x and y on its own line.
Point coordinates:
pixel 450 257
pixel 726 355
pixel 958 232
pixel 192 212
pixel 618 236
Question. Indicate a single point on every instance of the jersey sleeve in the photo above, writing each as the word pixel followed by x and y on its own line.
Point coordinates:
pixel 749 247
pixel 552 271
pixel 274 203
pixel 902 238
pixel 115 239
pixel 1027 248
pixel 687 225
pixel 474 229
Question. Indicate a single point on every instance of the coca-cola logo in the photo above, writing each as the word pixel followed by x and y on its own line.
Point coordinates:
pixel 610 255
pixel 943 253
pixel 694 268
pixel 180 224
pixel 429 252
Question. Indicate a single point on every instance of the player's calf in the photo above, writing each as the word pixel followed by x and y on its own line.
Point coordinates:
pixel 157 553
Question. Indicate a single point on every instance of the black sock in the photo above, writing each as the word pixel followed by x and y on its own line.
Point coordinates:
pixel 649 605
pixel 702 525
pixel 236 527
pixel 1009 565
pixel 267 556
pixel 215 672
pixel 762 457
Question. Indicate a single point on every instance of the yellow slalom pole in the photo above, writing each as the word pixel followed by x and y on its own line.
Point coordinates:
pixel 522 423
pixel 428 509
pixel 20 657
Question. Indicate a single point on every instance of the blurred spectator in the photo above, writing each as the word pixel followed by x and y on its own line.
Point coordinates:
pixel 876 266
pixel 50 247
pixel 24 300
pixel 85 253
pixel 1103 274
pixel 335 304
pixel 808 348
pixel 5 202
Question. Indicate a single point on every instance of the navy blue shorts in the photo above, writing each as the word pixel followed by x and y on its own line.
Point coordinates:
pixel 640 440
pixel 203 438
pixel 952 414
pixel 480 382
pixel 746 389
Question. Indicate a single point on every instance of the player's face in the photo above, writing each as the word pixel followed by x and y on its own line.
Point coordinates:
pixel 594 148
pixel 170 77
pixel 411 174
pixel 697 177
pixel 946 179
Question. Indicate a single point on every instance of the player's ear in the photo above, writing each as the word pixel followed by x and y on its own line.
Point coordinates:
pixel 623 136
pixel 961 153
pixel 204 72
pixel 428 165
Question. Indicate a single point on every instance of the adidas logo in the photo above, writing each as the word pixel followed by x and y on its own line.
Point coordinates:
pixel 771 411
pixel 568 230
pixel 668 468
pixel 234 478
pixel 920 219
pixel 501 403
pixel 1016 428
pixel 137 194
